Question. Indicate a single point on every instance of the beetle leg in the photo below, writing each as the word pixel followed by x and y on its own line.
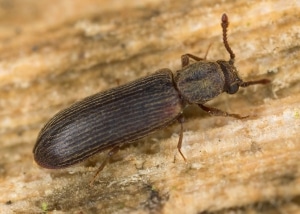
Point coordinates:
pixel 180 120
pixel 113 151
pixel 185 59
pixel 217 112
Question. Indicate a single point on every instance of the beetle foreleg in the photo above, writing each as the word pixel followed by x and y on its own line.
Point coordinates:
pixel 217 112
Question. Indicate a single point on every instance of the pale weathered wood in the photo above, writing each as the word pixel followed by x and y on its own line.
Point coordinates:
pixel 54 53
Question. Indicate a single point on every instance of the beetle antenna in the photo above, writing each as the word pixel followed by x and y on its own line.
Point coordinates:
pixel 224 25
pixel 262 81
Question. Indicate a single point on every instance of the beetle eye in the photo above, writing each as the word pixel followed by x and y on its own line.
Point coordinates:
pixel 232 89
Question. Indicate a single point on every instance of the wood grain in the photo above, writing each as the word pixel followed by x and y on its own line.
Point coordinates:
pixel 52 54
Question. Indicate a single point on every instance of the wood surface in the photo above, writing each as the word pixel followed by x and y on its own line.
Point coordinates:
pixel 53 53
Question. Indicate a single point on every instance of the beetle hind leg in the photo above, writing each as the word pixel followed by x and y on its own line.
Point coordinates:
pixel 113 151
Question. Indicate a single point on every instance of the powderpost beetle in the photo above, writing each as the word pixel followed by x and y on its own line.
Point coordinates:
pixel 127 113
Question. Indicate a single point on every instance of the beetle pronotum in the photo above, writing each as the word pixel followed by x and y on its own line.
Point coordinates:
pixel 129 112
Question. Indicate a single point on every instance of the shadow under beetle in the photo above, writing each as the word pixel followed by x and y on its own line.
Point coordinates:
pixel 127 113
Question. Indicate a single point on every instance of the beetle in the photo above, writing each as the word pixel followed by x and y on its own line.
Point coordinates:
pixel 124 114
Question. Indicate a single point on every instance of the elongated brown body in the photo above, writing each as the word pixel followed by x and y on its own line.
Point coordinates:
pixel 99 122
pixel 132 111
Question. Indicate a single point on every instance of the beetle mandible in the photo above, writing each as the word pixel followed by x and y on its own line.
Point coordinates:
pixel 127 113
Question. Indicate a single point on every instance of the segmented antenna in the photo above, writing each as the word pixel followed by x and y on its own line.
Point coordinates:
pixel 224 25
